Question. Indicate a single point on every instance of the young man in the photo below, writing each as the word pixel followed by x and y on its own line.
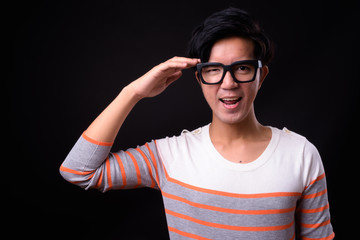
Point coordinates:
pixel 231 179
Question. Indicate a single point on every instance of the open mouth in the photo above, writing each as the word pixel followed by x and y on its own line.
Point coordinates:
pixel 230 101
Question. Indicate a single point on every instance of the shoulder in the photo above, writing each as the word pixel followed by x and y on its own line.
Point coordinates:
pixel 182 139
pixel 294 141
pixel 181 146
pixel 291 137
pixel 296 146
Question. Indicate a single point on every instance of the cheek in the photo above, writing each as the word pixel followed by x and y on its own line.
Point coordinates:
pixel 209 94
pixel 251 90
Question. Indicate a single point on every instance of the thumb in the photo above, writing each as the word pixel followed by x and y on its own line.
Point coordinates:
pixel 172 78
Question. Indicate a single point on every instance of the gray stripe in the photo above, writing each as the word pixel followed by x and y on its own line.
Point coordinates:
pixel 228 218
pixel 224 234
pixel 231 202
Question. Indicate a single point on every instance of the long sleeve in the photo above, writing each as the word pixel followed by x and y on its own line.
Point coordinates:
pixel 90 164
pixel 312 213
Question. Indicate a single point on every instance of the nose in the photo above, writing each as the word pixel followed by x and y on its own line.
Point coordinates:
pixel 228 82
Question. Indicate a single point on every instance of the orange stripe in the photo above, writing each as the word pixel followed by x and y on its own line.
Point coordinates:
pixel 154 163
pixel 315 225
pixel 89 177
pixel 65 169
pixel 95 141
pixel 317 179
pixel 99 180
pixel 314 195
pixel 315 210
pixel 330 237
pixel 228 227
pixel 122 170
pixel 227 210
pixel 234 195
pixel 148 166
pixel 108 172
pixel 293 237
pixel 138 174
pixel 186 234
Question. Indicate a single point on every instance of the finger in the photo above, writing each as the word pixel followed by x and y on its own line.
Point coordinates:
pixel 176 58
pixel 189 61
pixel 172 67
pixel 180 65
pixel 173 77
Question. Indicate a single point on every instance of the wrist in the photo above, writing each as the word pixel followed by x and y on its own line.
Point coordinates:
pixel 131 94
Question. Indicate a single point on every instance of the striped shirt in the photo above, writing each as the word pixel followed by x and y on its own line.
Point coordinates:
pixel 280 195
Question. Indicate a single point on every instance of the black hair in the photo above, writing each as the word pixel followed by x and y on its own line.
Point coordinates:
pixel 230 22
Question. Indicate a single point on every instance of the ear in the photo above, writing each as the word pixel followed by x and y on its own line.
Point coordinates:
pixel 197 77
pixel 264 71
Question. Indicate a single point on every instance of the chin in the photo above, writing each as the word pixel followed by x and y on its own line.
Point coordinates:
pixel 233 116
pixel 230 119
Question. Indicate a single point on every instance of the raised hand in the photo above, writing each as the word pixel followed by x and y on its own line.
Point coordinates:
pixel 161 76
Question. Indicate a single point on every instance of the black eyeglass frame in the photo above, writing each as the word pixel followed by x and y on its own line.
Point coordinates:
pixel 256 63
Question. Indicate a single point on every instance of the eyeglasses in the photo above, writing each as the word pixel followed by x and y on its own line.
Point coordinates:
pixel 242 71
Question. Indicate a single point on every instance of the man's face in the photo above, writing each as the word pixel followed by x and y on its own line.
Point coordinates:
pixel 229 101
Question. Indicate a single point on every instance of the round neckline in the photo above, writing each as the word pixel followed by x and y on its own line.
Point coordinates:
pixel 261 160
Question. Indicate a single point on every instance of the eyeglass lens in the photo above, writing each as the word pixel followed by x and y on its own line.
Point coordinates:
pixel 215 73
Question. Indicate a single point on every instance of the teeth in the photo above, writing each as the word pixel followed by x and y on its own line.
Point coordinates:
pixel 230 99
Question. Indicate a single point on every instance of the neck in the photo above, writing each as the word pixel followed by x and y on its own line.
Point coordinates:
pixel 248 129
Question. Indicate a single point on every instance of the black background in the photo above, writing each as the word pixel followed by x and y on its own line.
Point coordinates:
pixel 69 59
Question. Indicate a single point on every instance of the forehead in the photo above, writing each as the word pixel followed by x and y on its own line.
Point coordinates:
pixel 232 49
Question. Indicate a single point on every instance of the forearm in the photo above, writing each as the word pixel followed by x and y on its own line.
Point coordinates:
pixel 91 165
pixel 108 123
pixel 106 126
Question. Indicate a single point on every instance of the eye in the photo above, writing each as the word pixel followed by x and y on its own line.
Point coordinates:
pixel 211 69
pixel 243 69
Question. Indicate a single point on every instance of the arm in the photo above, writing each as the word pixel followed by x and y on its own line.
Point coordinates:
pixel 312 213
pixel 107 124
pixel 90 163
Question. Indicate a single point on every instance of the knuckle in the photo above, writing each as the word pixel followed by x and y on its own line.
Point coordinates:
pixel 174 58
